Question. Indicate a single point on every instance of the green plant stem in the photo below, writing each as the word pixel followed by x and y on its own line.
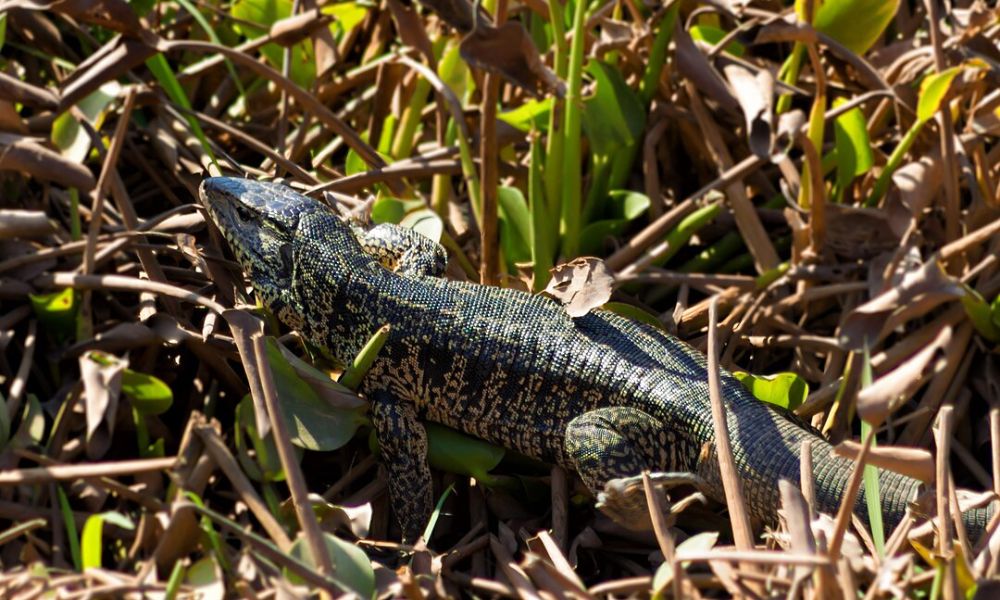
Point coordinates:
pixel 882 183
pixel 572 184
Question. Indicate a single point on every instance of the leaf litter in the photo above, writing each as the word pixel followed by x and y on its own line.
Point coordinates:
pixel 828 182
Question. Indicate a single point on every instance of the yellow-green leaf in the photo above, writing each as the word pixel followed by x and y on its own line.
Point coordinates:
pixel 786 390
pixel 857 24
pixel 933 91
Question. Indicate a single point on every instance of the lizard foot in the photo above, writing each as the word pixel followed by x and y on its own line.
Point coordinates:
pixel 624 498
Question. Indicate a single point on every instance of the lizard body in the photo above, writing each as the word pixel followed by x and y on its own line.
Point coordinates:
pixel 601 395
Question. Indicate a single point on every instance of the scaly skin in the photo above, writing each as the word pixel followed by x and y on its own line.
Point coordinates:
pixel 601 395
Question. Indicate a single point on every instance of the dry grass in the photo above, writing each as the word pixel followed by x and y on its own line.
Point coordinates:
pixel 756 221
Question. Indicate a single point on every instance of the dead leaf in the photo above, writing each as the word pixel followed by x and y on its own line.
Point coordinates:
pixel 858 233
pixel 912 462
pixel 879 400
pixel 24 224
pixel 755 94
pixel 26 154
pixel 116 15
pixel 509 51
pixel 582 285
pixel 102 385
pixel 113 60
pixel 693 65
pixel 919 292
pixel 916 184
pixel 15 90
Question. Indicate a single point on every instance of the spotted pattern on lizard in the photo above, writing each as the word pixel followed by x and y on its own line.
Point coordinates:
pixel 603 396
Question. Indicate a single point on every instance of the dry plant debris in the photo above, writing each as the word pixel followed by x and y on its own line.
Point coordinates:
pixel 820 182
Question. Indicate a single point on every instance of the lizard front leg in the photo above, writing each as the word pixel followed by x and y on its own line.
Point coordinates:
pixel 402 442
pixel 404 250
pixel 610 446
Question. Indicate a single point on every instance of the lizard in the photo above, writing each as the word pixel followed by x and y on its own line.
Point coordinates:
pixel 604 396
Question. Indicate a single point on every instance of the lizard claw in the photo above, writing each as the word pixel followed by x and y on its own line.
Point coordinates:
pixel 624 499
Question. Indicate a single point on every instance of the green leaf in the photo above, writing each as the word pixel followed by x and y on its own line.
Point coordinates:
pixel 313 423
pixel 873 496
pixel 352 376
pixel 633 312
pixel 256 18
pixel 263 464
pixel 853 148
pixel 712 35
pixel 685 230
pixel 348 15
pixel 3 29
pixel 933 91
pixel 787 390
pixel 206 578
pixel 533 114
pixel 391 210
pixel 698 543
pixel 149 394
pixel 352 566
pixel 984 316
pixel 456 452
pixel 425 222
pixel 67 134
pixel 91 541
pixel 57 312
pixel 625 206
pixel 514 226
pixel 613 117
pixel 857 24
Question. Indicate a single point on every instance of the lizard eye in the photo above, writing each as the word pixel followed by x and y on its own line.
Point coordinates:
pixel 243 212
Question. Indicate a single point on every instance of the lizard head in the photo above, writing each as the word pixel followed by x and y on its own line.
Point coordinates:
pixel 260 221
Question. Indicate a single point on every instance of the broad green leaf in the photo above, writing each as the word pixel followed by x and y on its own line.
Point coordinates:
pixel 352 566
pixel 633 312
pixel 514 226
pixel 985 317
pixel 57 312
pixel 453 71
pixel 456 452
pixel 313 423
pixel 857 24
pixel 426 222
pixel 392 210
pixel 613 117
pixel 712 35
pixel 628 204
pixel 149 394
pixel 354 164
pixel 91 541
pixel 933 91
pixel 67 134
pixel 698 543
pixel 786 390
pixel 533 114
pixel 625 206
pixel 264 464
pixel 256 18
pixel 206 578
pixel 348 15
pixel 31 431
pixel 854 153
pixel 3 29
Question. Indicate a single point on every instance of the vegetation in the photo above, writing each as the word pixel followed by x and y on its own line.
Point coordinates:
pixel 826 175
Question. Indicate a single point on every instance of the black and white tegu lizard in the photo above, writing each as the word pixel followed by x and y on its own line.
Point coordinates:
pixel 601 395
